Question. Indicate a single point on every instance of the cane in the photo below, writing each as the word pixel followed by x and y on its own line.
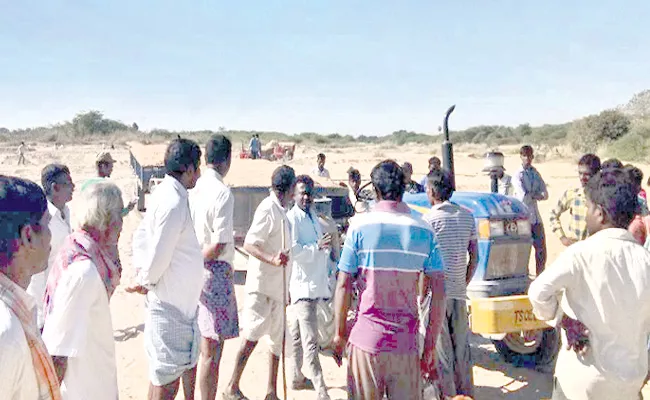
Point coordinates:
pixel 284 315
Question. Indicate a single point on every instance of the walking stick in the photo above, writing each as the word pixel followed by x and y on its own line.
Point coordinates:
pixel 284 315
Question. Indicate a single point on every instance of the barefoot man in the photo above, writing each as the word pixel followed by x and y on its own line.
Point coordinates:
pixel 263 313
pixel 212 205
pixel 169 261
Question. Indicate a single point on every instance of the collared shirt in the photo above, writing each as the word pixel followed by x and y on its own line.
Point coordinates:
pixel 386 250
pixel 17 372
pixel 324 173
pixel 505 185
pixel 266 233
pixel 60 228
pixel 575 201
pixel 309 269
pixel 606 283
pixel 454 228
pixel 528 183
pixel 212 205
pixel 166 251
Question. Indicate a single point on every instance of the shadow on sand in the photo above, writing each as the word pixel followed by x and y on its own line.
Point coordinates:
pixel 122 335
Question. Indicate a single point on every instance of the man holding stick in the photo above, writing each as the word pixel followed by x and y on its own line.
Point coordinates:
pixel 267 242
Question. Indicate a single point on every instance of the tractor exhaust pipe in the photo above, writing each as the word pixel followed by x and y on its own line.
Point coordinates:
pixel 448 148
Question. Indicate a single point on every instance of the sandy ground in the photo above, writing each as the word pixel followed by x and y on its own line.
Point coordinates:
pixel 493 378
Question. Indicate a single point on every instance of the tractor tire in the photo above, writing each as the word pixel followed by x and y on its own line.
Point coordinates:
pixel 536 351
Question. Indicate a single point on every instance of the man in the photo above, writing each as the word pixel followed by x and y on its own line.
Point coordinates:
pixel 505 181
pixel 529 189
pixel 212 205
pixel 255 147
pixel 310 251
pixel 104 164
pixel 434 165
pixel 26 369
pixel 388 251
pixel 455 234
pixel 21 153
pixel 264 307
pixel 574 201
pixel 411 185
pixel 170 261
pixel 58 187
pixel 320 169
pixel 360 203
pixel 637 178
pixel 605 282
pixel 78 330
pixel 611 163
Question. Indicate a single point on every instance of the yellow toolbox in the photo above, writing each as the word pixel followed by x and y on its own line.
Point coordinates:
pixel 503 314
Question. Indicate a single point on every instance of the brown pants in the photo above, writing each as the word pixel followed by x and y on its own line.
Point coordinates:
pixel 370 376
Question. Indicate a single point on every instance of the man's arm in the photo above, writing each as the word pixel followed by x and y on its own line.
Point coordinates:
pixel 545 289
pixel 60 366
pixel 556 225
pixel 543 193
pixel 348 268
pixel 518 184
pixel 257 234
pixel 221 226
pixel 305 254
pixel 434 283
pixel 161 247
pixel 472 249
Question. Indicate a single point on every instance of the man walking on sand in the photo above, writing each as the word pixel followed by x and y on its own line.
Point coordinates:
pixel 455 233
pixel 309 285
pixel 574 201
pixel 58 187
pixel 388 251
pixel 21 153
pixel 26 368
pixel 212 205
pixel 264 307
pixel 529 189
pixel 604 286
pixel 169 260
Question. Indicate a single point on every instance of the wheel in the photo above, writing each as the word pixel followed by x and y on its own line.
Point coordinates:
pixel 531 349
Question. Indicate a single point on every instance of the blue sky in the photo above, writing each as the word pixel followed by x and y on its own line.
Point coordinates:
pixel 358 67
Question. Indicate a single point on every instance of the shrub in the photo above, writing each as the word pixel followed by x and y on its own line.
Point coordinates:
pixel 631 147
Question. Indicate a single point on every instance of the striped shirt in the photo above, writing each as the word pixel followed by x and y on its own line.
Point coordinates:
pixel 387 249
pixel 454 228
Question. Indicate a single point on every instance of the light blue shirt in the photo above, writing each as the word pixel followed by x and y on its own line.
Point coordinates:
pixel 528 184
pixel 309 268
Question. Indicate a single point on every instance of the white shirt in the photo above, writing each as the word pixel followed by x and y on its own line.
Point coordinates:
pixel 323 174
pixel 166 250
pixel 212 205
pixel 80 327
pixel 266 233
pixel 17 374
pixel 60 228
pixel 606 284
pixel 505 185
pixel 309 269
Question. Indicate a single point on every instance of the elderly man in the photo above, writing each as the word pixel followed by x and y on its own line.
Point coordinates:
pixel 58 187
pixel 264 307
pixel 388 251
pixel 455 233
pixel 26 369
pixel 212 205
pixel 604 286
pixel 78 330
pixel 170 262
pixel 310 251
pixel 320 169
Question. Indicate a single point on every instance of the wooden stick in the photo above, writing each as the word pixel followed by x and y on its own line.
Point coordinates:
pixel 284 315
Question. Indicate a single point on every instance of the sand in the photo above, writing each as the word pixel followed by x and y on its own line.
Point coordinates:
pixel 493 378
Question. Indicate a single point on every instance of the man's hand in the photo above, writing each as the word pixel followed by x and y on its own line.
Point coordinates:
pixel 428 365
pixel 566 241
pixel 132 204
pixel 325 242
pixel 577 335
pixel 281 259
pixel 338 346
pixel 137 289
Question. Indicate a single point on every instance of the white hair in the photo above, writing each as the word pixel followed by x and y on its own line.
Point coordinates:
pixel 102 204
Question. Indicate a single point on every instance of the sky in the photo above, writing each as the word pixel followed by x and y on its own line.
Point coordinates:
pixel 352 67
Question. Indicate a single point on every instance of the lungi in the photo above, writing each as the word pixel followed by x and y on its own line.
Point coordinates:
pixel 218 319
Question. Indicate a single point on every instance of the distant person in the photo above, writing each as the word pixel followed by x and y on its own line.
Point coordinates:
pixel 78 329
pixel 601 286
pixel 26 368
pixel 320 169
pixel 434 165
pixel 411 185
pixel 212 205
pixel 58 187
pixel 170 272
pixel 104 165
pixel 575 202
pixel 255 147
pixel 529 189
pixel 456 237
pixel 21 153
pixel 387 251
pixel 505 182
pixel 264 306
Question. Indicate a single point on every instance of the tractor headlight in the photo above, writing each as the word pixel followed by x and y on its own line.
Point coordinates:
pixel 523 227
pixel 490 228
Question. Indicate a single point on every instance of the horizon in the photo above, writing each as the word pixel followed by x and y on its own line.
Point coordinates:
pixel 321 67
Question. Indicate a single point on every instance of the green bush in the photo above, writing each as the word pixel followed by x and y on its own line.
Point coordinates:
pixel 631 147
